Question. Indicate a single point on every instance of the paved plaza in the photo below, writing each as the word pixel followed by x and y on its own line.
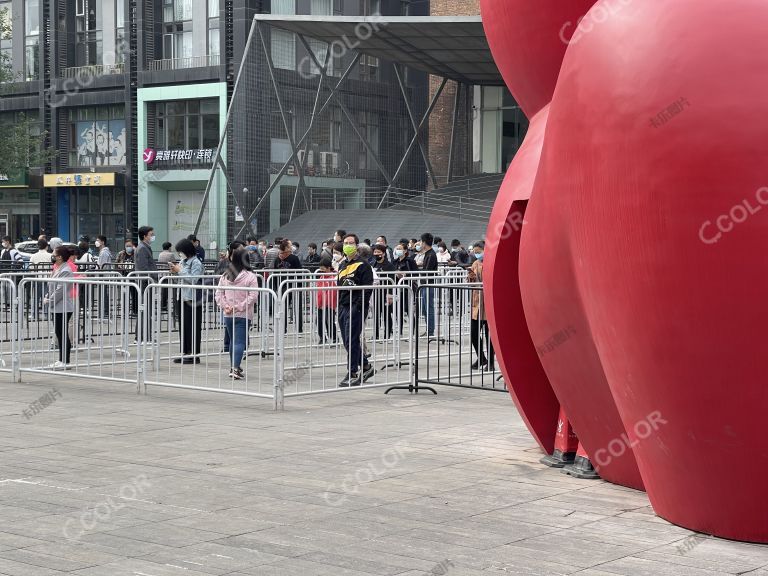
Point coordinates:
pixel 107 482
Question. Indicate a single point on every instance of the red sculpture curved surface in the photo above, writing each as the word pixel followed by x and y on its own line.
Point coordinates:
pixel 644 239
pixel 662 205
pixel 528 44
pixel 529 41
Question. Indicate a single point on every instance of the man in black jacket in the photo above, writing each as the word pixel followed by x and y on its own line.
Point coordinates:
pixel 428 294
pixel 144 261
pixel 287 260
pixel 313 258
pixel 383 302
pixel 353 309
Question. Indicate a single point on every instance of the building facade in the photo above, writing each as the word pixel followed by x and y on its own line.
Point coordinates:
pixel 133 96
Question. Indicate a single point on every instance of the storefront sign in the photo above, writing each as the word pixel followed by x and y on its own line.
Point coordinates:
pixel 88 179
pixel 20 181
pixel 152 156
pixel 19 197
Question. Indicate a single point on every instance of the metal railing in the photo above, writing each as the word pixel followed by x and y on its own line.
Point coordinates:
pixel 93 70
pixel 183 63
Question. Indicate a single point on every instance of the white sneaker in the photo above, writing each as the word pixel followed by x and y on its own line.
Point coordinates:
pixel 58 365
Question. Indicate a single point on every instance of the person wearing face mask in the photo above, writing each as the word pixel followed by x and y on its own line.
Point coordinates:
pixel 479 321
pixel 61 299
pixel 10 258
pixel 353 309
pixel 104 260
pixel 189 270
pixel 443 256
pixel 255 254
pixel 125 256
pixel 382 312
pixel 338 255
pixel 287 260
pixel 382 241
pixel 405 266
pixel 313 258
pixel 144 262
pixel 428 264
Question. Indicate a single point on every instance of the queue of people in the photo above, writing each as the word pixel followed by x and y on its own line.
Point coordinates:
pixel 343 261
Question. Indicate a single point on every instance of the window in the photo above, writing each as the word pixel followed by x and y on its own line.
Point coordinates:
pixel 88 34
pixel 98 136
pixel 335 129
pixel 188 125
pixel 284 43
pixel 121 43
pixel 177 29
pixel 31 39
pixel 369 128
pixel 371 7
pixel 5 39
pixel 213 28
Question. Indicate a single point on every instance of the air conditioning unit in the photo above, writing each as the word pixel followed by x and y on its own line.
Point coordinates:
pixel 329 162
pixel 310 156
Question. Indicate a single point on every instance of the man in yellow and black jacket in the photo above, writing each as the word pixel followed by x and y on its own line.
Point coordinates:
pixel 352 310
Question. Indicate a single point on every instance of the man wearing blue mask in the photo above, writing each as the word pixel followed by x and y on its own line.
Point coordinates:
pixel 479 322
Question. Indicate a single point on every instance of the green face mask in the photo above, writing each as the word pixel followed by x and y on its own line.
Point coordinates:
pixel 349 250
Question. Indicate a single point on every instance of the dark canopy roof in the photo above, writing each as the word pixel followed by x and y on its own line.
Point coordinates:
pixel 453 47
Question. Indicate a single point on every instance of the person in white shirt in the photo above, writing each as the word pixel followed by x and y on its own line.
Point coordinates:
pixel 42 256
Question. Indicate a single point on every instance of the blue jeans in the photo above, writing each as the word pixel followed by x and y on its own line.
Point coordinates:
pixel 428 308
pixel 237 334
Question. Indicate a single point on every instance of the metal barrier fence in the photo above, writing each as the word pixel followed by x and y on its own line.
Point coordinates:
pixel 298 334
pixel 460 353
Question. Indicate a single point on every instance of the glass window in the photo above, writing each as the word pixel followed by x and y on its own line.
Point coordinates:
pixel 99 142
pixel 88 37
pixel 188 125
pixel 283 49
pixel 177 29
pixel 6 42
pixel 31 39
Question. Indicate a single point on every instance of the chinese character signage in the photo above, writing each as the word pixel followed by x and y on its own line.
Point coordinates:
pixel 20 181
pixel 155 157
pixel 88 179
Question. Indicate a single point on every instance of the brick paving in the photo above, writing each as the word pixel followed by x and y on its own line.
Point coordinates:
pixel 107 482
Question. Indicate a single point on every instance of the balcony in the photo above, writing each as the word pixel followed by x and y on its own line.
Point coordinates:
pixel 183 63
pixel 80 72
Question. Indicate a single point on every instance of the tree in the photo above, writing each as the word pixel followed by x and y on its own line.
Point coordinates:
pixel 20 146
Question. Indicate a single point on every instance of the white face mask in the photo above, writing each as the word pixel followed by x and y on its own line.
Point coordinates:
pixel 337 257
pixel 417 247
pixel 182 256
pixel 98 243
pixel 441 250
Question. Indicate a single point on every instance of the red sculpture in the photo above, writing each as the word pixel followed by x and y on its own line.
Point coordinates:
pixel 641 244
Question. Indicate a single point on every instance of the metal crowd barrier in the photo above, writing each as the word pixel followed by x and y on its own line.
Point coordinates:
pixel 155 329
pixel 461 353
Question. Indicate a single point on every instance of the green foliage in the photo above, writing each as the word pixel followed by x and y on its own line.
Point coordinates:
pixel 20 143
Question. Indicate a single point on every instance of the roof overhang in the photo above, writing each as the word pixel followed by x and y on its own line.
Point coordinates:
pixel 453 47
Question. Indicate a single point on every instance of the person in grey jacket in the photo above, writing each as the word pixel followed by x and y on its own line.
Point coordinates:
pixel 105 261
pixel 61 299
pixel 144 261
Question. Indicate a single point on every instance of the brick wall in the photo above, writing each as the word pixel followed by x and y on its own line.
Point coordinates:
pixel 442 117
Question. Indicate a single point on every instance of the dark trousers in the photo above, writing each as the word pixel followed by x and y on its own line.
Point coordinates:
pixel 190 328
pixel 475 327
pixel 383 317
pixel 351 326
pixel 61 327
pixel 326 324
pixel 296 304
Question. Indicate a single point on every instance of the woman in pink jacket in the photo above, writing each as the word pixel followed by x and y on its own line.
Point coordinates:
pixel 237 306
